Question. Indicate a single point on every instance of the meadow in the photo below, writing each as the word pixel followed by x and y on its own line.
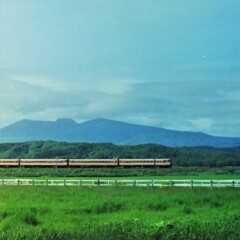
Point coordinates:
pixel 118 173
pixel 119 213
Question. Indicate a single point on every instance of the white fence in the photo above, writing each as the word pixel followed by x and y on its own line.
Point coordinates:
pixel 122 183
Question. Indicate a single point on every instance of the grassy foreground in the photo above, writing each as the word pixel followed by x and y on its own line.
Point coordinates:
pixel 119 213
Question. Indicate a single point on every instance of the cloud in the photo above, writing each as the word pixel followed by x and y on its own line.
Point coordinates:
pixel 132 61
pixel 39 81
pixel 32 97
pixel 207 106
pixel 202 124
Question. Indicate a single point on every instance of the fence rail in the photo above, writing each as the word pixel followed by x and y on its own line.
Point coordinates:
pixel 122 183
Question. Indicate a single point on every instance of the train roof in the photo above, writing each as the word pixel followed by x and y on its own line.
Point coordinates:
pixel 65 159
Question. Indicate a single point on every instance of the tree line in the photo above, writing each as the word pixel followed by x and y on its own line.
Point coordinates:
pixel 181 156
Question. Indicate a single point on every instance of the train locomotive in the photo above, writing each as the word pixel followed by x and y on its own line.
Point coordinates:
pixel 156 162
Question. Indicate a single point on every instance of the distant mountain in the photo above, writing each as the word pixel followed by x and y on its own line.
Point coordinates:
pixel 104 130
pixel 29 130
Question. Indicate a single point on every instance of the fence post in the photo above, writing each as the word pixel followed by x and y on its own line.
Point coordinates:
pixel 116 182
pixel 152 183
pixel 2 182
pixel 211 183
pixel 80 182
pixel 33 182
pixel 233 184
pixel 191 183
pixel 18 182
pixel 64 182
pixel 171 183
pixel 134 183
pixel 47 182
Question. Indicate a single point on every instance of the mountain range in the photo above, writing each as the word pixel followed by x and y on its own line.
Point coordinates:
pixel 108 131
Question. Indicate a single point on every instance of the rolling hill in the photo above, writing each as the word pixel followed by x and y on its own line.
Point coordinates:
pixel 102 130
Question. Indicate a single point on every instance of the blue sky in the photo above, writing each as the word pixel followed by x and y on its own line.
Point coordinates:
pixel 165 63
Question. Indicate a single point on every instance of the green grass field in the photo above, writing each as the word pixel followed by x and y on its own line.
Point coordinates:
pixel 118 173
pixel 105 213
pixel 119 213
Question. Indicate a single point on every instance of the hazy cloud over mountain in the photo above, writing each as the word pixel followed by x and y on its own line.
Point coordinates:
pixel 172 64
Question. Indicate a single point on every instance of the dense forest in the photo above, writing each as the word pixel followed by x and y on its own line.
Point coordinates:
pixel 181 156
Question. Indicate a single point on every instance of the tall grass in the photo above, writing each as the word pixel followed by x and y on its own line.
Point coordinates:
pixel 118 213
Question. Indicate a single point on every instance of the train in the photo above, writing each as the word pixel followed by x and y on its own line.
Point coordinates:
pixel 156 162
